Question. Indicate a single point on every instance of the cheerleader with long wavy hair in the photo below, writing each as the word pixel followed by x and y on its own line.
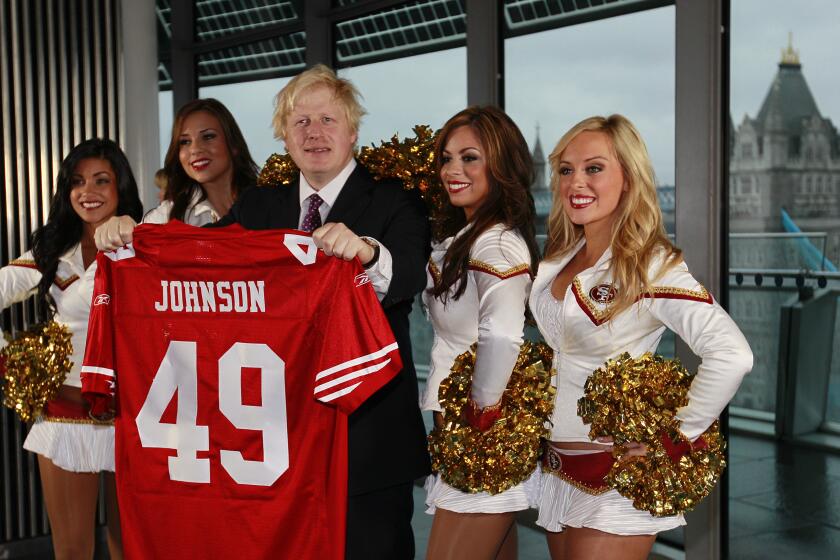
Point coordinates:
pixel 477 287
pixel 207 167
pixel 612 282
pixel 94 183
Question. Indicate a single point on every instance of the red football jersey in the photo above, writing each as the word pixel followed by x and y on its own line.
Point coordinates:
pixel 236 357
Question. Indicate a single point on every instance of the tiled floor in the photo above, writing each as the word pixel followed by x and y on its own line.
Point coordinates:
pixel 784 501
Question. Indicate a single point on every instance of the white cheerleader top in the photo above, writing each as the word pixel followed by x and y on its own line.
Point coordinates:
pixel 491 311
pixel 582 341
pixel 72 290
pixel 199 212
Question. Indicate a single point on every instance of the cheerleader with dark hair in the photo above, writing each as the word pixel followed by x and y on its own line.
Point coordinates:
pixel 94 183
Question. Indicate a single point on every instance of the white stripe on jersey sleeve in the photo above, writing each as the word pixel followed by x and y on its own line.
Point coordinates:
pixel 356 361
pixel 352 375
pixel 341 393
pixel 98 370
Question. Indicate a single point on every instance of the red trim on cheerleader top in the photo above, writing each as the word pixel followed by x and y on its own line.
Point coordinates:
pixel 61 284
pixel 701 295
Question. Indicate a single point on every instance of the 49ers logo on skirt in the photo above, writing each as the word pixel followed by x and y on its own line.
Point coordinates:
pixel 603 293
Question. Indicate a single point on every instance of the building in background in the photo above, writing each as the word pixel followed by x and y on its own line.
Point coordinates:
pixel 784 177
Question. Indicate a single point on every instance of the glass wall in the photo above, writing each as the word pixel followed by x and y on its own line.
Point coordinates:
pixel 252 105
pixel 784 246
pixel 622 64
pixel 165 117
pixel 422 89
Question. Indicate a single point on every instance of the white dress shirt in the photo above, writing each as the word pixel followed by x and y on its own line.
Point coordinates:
pixel 199 212
pixel 381 272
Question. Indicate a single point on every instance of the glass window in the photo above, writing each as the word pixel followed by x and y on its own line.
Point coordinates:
pixel 260 60
pixel 619 65
pixel 423 89
pixel 623 64
pixel 217 18
pixel 411 28
pixel 252 105
pixel 165 117
pixel 784 79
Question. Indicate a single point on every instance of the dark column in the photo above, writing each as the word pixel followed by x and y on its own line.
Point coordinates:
pixel 184 68
pixel 319 47
pixel 485 53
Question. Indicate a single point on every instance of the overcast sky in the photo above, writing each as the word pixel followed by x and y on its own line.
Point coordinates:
pixel 555 78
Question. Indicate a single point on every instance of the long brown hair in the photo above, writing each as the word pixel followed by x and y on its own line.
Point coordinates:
pixel 638 234
pixel 510 172
pixel 181 187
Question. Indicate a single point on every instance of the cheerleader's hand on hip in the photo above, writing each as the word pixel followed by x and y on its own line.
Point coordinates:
pixel 625 451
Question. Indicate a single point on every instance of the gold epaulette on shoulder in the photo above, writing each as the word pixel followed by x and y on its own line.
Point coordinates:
pixel 669 292
pixel 490 269
pixel 25 263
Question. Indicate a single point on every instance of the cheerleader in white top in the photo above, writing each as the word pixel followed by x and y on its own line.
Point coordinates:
pixel 478 284
pixel 94 183
pixel 207 166
pixel 611 282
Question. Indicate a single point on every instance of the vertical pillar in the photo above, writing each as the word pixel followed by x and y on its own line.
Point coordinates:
pixel 701 220
pixel 184 66
pixel 319 32
pixel 138 110
pixel 485 53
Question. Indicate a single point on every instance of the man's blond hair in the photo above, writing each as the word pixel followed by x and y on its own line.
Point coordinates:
pixel 319 75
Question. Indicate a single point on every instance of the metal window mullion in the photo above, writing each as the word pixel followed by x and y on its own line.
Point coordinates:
pixel 41 55
pixel 183 59
pixel 699 110
pixel 485 53
pixel 111 85
pixel 16 144
pixel 64 64
pixel 54 89
pixel 99 85
pixel 5 118
pixel 75 79
pixel 320 47
pixel 87 89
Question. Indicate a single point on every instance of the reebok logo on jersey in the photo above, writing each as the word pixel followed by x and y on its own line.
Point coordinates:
pixel 102 299
pixel 361 279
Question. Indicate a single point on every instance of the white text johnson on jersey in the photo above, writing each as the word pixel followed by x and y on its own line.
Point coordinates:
pixel 197 296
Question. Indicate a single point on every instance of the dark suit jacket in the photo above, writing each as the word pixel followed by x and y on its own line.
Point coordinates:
pixel 387 436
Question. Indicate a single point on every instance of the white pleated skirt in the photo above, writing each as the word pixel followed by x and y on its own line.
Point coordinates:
pixel 563 505
pixel 522 496
pixel 75 447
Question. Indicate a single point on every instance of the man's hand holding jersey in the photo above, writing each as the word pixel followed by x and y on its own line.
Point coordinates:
pixel 336 239
pixel 116 232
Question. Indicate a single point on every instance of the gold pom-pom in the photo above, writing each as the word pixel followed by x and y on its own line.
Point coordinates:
pixel 506 454
pixel 36 364
pixel 410 160
pixel 637 400
pixel 279 169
